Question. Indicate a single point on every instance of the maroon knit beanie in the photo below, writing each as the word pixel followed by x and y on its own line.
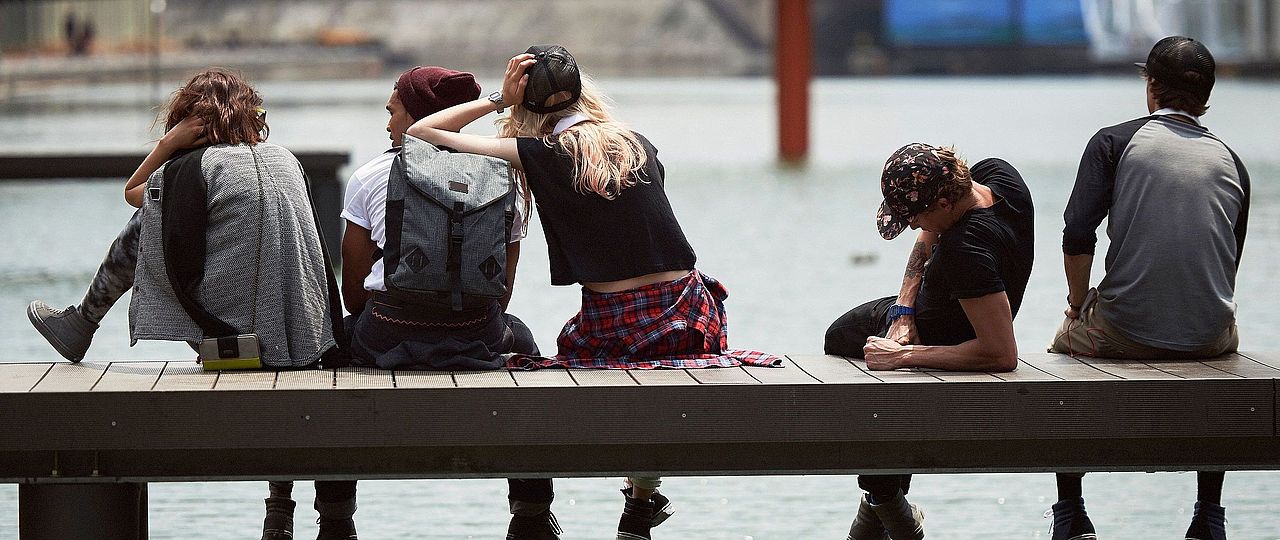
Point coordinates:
pixel 425 90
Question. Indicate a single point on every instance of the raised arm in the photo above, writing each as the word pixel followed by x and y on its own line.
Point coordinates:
pixel 189 133
pixel 903 329
pixel 994 348
pixel 442 128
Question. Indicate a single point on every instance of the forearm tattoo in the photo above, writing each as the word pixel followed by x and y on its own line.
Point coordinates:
pixel 915 265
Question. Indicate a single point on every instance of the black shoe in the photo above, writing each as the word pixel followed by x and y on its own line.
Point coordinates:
pixel 337 529
pixel 1070 522
pixel 1208 523
pixel 537 527
pixel 278 525
pixel 662 507
pixel 636 520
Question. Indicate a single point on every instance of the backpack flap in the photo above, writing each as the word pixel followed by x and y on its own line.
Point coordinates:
pixel 454 224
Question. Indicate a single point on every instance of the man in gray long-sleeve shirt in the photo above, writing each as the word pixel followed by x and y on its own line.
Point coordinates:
pixel 1178 202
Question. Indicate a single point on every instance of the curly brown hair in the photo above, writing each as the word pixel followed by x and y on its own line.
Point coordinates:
pixel 961 181
pixel 230 107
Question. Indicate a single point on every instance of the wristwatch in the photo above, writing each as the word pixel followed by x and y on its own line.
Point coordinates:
pixel 898 310
pixel 496 99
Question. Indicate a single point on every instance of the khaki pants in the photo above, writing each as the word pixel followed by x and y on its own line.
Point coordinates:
pixel 1092 335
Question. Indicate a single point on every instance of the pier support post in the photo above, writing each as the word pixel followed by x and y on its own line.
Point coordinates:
pixel 61 511
pixel 793 67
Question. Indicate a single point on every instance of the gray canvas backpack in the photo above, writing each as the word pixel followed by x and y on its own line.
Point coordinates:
pixel 449 218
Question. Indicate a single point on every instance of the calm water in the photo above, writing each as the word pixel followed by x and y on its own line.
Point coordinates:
pixel 784 241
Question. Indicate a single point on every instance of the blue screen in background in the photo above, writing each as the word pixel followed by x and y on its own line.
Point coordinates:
pixel 1053 22
pixel 949 22
pixel 976 23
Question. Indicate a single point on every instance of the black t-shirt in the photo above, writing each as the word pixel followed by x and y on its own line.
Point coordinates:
pixel 987 251
pixel 591 238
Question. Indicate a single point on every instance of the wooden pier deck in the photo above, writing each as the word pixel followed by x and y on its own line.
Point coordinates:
pixel 170 421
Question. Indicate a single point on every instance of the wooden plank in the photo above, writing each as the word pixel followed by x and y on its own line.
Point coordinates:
pixel 129 377
pixel 1190 369
pixel 1270 359
pixel 71 377
pixel 1131 370
pixel 245 380
pixel 832 369
pixel 362 377
pixel 21 377
pixel 899 375
pixel 734 375
pixel 1026 373
pixel 964 376
pixel 423 379
pixel 543 377
pixel 185 376
pixel 789 373
pixel 1065 367
pixel 602 377
pixel 1241 365
pixel 483 379
pixel 662 377
pixel 304 379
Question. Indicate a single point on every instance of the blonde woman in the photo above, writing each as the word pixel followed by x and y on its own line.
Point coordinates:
pixel 599 189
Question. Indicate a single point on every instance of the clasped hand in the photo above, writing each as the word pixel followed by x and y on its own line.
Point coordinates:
pixel 884 354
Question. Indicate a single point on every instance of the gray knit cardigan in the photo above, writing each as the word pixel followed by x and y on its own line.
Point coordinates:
pixel 292 309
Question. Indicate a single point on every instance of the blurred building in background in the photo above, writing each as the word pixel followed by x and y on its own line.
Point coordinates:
pixel 362 38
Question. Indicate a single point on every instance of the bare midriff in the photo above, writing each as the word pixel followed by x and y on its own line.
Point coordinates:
pixel 635 282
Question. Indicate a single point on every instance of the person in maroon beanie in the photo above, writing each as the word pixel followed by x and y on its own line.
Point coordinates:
pixel 380 325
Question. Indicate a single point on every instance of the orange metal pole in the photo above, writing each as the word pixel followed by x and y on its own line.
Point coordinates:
pixel 793 67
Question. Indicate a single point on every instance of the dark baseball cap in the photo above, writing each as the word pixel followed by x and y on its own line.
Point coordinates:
pixel 912 178
pixel 555 72
pixel 1182 63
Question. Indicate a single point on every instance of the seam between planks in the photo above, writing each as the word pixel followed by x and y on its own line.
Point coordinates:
pixel 48 369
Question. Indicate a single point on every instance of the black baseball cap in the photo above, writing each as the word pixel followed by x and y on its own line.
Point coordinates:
pixel 555 72
pixel 1182 63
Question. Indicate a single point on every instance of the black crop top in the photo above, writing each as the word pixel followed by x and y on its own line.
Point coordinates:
pixel 593 239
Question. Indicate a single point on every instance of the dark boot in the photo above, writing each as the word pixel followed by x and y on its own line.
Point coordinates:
pixel 637 519
pixel 335 520
pixel 867 525
pixel 903 521
pixel 541 526
pixel 1070 522
pixel 1208 523
pixel 662 507
pixel 278 525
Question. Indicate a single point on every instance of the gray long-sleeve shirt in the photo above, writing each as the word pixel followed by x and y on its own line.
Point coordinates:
pixel 1177 199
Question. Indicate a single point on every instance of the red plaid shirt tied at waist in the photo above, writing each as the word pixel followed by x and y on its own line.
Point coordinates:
pixel 677 324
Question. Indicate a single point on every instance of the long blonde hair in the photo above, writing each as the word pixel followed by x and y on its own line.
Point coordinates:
pixel 607 156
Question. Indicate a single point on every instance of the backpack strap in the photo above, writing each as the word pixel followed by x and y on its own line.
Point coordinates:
pixel 340 354
pixel 184 218
pixel 453 263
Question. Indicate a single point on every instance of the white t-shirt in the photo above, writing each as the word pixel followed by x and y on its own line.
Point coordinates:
pixel 365 205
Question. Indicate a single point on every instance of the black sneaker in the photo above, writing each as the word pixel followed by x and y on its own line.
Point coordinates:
pixel 1070 522
pixel 1208 523
pixel 662 507
pixel 636 520
pixel 537 527
pixel 336 529
pixel 278 525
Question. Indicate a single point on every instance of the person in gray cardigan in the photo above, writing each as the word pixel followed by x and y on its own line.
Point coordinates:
pixel 257 222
